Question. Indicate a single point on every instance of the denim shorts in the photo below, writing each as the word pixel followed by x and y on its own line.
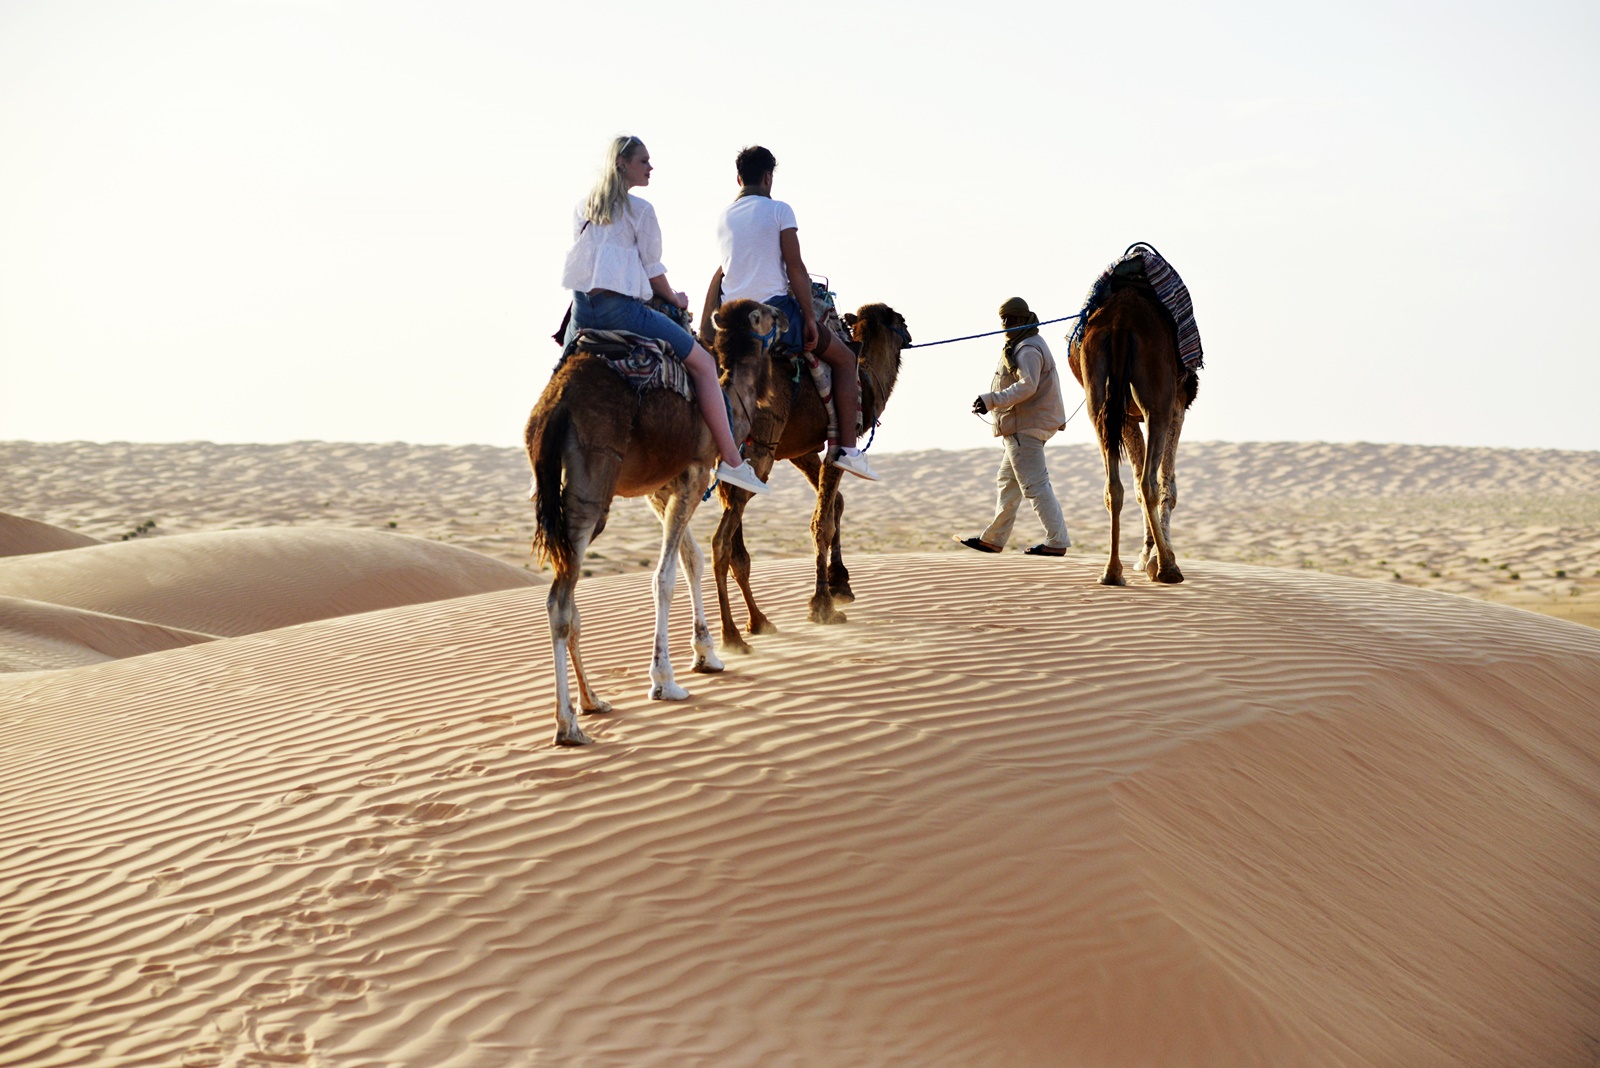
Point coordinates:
pixel 612 311
pixel 792 339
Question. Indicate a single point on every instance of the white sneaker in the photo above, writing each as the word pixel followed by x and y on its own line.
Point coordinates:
pixel 855 462
pixel 743 476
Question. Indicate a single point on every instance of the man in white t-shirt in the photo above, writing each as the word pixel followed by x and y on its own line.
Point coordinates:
pixel 761 261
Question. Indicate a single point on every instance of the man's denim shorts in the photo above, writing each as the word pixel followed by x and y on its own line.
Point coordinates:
pixel 792 339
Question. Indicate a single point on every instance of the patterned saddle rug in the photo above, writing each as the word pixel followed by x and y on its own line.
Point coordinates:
pixel 1143 261
pixel 643 362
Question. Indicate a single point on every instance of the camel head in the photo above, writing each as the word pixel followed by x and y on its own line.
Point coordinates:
pixel 882 333
pixel 746 329
pixel 878 320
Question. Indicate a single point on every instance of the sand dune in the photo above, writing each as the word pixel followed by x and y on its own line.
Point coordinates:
pixel 1006 816
pixel 243 581
pixel 39 637
pixel 19 536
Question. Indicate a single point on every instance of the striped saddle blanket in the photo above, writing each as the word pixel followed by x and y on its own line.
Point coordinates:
pixel 643 362
pixel 1141 260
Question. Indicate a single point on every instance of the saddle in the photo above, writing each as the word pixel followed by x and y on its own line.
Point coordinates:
pixel 642 362
pixel 1142 267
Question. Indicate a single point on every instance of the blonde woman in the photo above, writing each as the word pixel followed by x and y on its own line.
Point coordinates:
pixel 615 266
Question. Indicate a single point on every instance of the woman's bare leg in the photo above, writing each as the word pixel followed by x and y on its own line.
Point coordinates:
pixel 702 369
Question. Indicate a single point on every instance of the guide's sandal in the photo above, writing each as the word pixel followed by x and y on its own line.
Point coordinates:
pixel 978 544
pixel 1043 550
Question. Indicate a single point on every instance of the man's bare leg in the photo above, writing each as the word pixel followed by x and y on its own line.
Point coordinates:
pixel 846 383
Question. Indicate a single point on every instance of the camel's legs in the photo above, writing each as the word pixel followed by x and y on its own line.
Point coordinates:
pixel 590 701
pixel 560 606
pixel 727 549
pixel 759 623
pixel 1133 449
pixel 675 505
pixel 1164 568
pixel 824 531
pixel 582 516
pixel 694 567
pixel 838 574
pixel 1095 399
pixel 564 630
pixel 1169 471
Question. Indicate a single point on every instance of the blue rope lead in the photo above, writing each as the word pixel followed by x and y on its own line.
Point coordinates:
pixel 991 333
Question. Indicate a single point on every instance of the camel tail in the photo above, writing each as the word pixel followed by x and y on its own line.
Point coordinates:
pixel 546 438
pixel 1113 414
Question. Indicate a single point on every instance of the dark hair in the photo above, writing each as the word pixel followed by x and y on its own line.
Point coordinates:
pixel 755 163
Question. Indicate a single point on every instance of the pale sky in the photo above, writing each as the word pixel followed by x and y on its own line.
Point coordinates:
pixel 275 220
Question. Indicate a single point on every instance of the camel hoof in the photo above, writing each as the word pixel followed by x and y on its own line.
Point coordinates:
pixel 762 625
pixel 1145 560
pixel 599 708
pixel 668 691
pixel 736 644
pixel 1108 579
pixel 573 737
pixel 841 594
pixel 707 664
pixel 827 615
pixel 1170 575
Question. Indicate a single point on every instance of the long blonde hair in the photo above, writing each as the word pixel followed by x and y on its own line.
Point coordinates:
pixel 609 197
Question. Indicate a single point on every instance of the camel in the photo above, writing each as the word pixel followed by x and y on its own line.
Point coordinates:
pixel 1127 362
pixel 792 425
pixel 592 438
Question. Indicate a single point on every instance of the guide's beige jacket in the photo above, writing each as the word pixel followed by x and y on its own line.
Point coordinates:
pixel 1027 397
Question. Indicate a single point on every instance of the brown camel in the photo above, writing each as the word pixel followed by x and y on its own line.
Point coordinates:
pixel 791 424
pixel 1127 361
pixel 592 438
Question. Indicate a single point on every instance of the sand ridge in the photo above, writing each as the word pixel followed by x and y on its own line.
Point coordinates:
pixel 1005 816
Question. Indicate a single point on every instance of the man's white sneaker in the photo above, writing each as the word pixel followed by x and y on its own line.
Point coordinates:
pixel 743 476
pixel 855 463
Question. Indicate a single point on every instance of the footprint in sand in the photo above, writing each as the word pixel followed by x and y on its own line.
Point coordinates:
pixel 267 995
pixel 284 854
pixel 418 732
pixel 158 978
pixel 365 894
pixel 331 990
pixel 462 771
pixel 411 866
pixel 383 778
pixel 551 776
pixel 366 845
pixel 300 794
pixel 168 878
pixel 427 818
pixel 282 1047
pixel 204 1055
